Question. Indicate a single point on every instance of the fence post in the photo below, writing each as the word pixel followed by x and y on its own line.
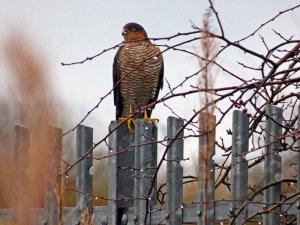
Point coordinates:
pixel 272 163
pixel 239 166
pixel 84 180
pixel 53 180
pixel 174 171
pixel 22 145
pixel 298 175
pixel 145 167
pixel 206 169
pixel 120 172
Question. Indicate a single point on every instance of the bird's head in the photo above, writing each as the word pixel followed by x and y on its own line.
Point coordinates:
pixel 134 32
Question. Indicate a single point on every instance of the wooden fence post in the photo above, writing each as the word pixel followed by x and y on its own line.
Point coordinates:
pixel 84 180
pixel 120 172
pixel 272 163
pixel 206 169
pixel 174 171
pixel 145 167
pixel 239 166
pixel 53 182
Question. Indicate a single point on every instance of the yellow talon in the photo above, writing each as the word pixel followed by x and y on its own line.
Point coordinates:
pixel 129 122
pixel 147 118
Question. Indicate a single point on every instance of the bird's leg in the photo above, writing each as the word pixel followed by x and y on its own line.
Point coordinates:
pixel 129 120
pixel 147 118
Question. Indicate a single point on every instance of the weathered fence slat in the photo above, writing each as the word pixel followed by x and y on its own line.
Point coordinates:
pixel 206 169
pixel 120 171
pixel 272 163
pixel 145 167
pixel 174 171
pixel 239 166
pixel 84 180
pixel 53 182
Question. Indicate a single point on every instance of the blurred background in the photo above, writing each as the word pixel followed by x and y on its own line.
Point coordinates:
pixel 37 36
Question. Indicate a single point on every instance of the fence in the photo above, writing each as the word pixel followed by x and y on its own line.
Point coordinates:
pixel 133 167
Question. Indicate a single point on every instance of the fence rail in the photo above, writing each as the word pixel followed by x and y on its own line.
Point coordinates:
pixel 132 172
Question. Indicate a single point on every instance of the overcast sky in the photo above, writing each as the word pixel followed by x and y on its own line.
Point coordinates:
pixel 67 31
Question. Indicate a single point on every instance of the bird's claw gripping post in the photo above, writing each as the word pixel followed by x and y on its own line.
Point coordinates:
pixel 147 118
pixel 130 121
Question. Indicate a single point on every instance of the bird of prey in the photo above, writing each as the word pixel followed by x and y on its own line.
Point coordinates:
pixel 138 71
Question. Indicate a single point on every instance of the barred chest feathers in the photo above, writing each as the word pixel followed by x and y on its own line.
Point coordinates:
pixel 140 66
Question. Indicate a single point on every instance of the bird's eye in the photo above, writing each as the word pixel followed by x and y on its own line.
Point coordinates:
pixel 132 29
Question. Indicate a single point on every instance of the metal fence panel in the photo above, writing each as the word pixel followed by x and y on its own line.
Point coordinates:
pixel 84 180
pixel 53 178
pixel 206 169
pixel 272 163
pixel 22 151
pixel 239 166
pixel 132 163
pixel 174 171
pixel 145 167
pixel 298 172
pixel 120 160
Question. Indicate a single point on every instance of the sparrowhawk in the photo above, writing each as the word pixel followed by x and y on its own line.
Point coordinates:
pixel 138 71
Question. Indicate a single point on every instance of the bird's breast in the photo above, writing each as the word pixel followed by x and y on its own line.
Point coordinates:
pixel 139 66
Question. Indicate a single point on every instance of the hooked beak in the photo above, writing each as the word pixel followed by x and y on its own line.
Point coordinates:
pixel 124 32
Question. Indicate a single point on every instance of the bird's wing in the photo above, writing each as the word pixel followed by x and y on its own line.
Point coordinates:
pixel 160 84
pixel 116 84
